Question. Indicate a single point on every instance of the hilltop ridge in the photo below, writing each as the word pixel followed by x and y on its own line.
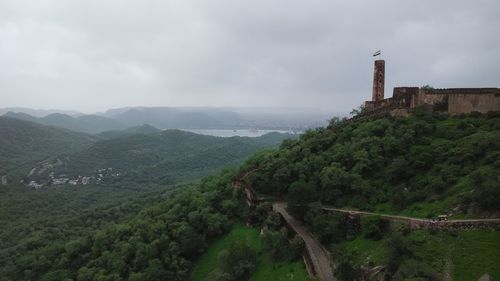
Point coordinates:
pixel 425 165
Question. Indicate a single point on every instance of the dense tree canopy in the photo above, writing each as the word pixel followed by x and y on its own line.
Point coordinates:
pixel 159 243
pixel 392 161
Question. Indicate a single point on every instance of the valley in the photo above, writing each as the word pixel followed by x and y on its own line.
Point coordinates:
pixel 134 155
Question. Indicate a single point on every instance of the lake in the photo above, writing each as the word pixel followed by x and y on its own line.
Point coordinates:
pixel 231 133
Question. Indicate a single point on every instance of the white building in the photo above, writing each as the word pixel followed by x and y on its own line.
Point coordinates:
pixel 35 185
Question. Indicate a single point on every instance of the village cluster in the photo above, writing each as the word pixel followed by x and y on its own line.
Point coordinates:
pixel 62 179
pixel 3 180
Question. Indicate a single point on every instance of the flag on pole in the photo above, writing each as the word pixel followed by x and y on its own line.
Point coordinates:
pixel 377 53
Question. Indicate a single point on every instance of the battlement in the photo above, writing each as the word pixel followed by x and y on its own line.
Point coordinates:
pixel 448 100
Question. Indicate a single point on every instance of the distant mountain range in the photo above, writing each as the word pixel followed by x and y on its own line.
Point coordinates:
pixel 220 118
pixel 91 124
pixel 180 118
pixel 38 112
pixel 176 118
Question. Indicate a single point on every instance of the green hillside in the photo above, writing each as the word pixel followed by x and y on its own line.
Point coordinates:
pixel 147 236
pixel 143 129
pixel 423 165
pixel 24 143
pixel 37 224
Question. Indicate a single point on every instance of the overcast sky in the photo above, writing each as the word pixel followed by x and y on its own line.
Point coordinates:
pixel 94 55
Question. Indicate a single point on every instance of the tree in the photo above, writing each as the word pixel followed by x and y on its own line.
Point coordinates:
pixel 359 110
pixel 300 194
pixel 236 262
pixel 346 269
pixel 296 248
pixel 276 243
pixel 486 194
pixel 336 182
pixel 273 220
pixel 373 227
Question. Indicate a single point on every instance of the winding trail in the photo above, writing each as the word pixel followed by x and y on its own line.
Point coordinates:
pixel 319 256
pixel 422 222
pixel 355 212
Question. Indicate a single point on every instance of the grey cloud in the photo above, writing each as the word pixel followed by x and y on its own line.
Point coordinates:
pixel 93 55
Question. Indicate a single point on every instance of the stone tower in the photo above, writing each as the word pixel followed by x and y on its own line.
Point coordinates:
pixel 378 81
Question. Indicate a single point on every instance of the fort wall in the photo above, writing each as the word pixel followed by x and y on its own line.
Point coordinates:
pixel 453 101
pixel 460 100
pixel 460 103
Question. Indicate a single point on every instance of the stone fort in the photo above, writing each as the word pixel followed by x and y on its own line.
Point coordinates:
pixel 452 101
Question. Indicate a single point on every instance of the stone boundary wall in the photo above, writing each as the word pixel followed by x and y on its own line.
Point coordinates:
pixel 418 223
pixel 466 91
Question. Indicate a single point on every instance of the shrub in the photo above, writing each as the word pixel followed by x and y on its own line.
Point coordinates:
pixel 373 227
pixel 236 263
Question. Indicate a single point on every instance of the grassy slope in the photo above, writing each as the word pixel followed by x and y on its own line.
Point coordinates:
pixel 266 268
pixel 472 252
pixel 366 251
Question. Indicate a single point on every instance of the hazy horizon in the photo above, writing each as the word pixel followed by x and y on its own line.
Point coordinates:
pixel 307 110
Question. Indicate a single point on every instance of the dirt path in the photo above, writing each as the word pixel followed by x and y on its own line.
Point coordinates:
pixel 319 256
pixel 354 212
pixel 411 219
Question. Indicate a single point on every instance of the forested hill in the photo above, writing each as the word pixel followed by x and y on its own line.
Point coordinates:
pixel 423 165
pixel 143 129
pixel 165 157
pixel 24 143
